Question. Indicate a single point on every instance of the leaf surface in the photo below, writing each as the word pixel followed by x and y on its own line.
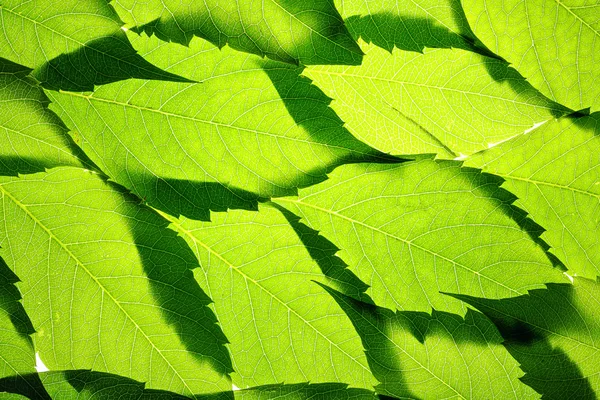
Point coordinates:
pixel 555 44
pixel 445 101
pixel 310 31
pixel 435 356
pixel 180 145
pixel 281 326
pixel 71 44
pixel 31 136
pixel 415 229
pixel 554 334
pixel 555 172
pixel 106 285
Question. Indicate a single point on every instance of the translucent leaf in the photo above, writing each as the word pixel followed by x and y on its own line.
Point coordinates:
pixel 281 326
pixel 16 348
pixel 445 101
pixel 554 334
pixel 309 31
pixel 106 285
pixel 415 229
pixel 71 44
pixel 435 356
pixel 187 148
pixel 555 172
pixel 31 136
pixel 554 44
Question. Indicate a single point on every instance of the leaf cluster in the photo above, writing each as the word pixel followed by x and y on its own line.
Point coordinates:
pixel 317 199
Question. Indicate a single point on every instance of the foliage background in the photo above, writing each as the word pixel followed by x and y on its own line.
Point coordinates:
pixel 304 200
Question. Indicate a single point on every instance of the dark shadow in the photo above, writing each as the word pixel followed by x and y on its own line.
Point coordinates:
pixel 387 31
pixel 309 107
pixel 323 252
pixel 9 67
pixel 328 42
pixel 491 185
pixel 101 61
pixel 29 385
pixel 525 322
pixel 589 122
pixel 168 262
pixel 195 200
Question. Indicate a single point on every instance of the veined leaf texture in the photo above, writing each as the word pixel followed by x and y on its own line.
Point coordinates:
pixel 294 200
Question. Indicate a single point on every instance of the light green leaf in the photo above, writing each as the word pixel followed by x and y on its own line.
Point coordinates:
pixel 71 44
pixel 187 148
pixel 281 326
pixel 555 172
pixel 449 102
pixel 555 44
pixel 437 356
pixel 16 348
pixel 106 285
pixel 309 31
pixel 408 25
pixel 31 136
pixel 554 334
pixel 415 229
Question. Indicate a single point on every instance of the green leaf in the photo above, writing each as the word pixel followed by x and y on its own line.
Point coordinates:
pixel 81 384
pixel 408 25
pixel 280 325
pixel 553 333
pixel 555 172
pixel 31 136
pixel 16 348
pixel 415 229
pixel 187 148
pixel 71 44
pixel 106 285
pixel 449 102
pixel 437 356
pixel 309 31
pixel 554 44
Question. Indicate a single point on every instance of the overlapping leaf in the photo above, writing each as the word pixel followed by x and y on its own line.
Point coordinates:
pixel 281 326
pixel 187 148
pixel 309 31
pixel 437 356
pixel 31 136
pixel 71 44
pixel 555 172
pixel 554 334
pixel 555 44
pixel 445 101
pixel 106 285
pixel 415 229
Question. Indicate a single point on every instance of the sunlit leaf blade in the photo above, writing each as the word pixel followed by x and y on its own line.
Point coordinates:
pixel 408 25
pixel 310 31
pixel 415 229
pixel 71 44
pixel 106 285
pixel 554 334
pixel 445 101
pixel 16 349
pixel 554 44
pixel 555 172
pixel 176 145
pixel 281 326
pixel 82 385
pixel 435 356
pixel 31 136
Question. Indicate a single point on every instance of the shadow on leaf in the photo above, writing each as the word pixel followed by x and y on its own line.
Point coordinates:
pixel 101 61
